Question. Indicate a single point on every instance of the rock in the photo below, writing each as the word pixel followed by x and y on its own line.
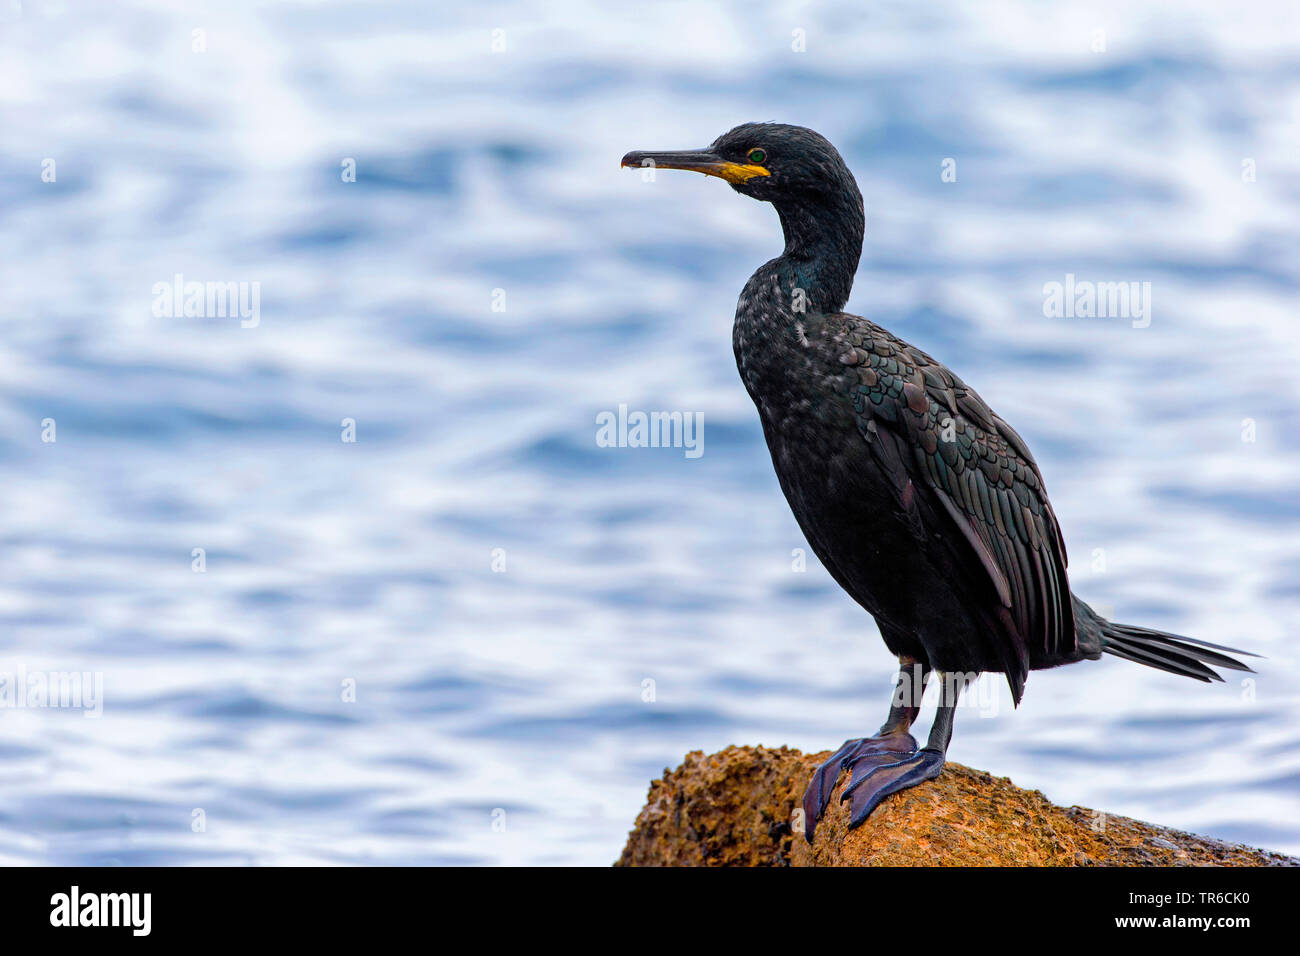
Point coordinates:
pixel 736 808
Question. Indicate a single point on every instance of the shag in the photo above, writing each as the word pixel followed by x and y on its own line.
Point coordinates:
pixel 922 503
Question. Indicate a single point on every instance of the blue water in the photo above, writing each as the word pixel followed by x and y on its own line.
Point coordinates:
pixel 504 716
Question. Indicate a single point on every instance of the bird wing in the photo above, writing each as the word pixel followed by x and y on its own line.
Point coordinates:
pixel 942 445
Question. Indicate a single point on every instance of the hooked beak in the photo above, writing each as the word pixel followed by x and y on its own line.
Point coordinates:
pixel 697 160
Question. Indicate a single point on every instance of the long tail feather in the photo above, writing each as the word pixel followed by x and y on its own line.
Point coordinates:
pixel 1170 652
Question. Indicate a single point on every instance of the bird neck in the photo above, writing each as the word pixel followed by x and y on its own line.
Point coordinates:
pixel 823 243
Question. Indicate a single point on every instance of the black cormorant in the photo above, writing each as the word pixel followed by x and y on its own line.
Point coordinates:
pixel 924 505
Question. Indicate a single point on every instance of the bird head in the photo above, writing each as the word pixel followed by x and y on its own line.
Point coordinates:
pixel 804 177
pixel 772 162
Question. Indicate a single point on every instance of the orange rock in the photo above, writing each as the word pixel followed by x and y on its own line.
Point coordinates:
pixel 736 808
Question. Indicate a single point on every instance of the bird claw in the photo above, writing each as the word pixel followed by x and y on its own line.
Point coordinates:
pixel 867 789
pixel 859 753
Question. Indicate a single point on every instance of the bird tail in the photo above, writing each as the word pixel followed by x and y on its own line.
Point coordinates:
pixel 1169 652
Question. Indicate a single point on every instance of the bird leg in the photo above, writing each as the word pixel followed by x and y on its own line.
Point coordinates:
pixel 866 790
pixel 891 743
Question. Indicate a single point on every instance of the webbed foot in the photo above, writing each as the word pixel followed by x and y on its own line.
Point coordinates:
pixel 873 781
pixel 862 754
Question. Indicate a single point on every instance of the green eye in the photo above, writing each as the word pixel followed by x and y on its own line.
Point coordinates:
pixel 757 156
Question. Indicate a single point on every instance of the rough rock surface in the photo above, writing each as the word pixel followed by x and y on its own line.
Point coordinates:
pixel 736 808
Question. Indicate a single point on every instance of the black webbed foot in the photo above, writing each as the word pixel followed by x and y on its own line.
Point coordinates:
pixel 875 780
pixel 862 754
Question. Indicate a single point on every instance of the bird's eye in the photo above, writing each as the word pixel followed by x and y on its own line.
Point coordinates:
pixel 757 156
